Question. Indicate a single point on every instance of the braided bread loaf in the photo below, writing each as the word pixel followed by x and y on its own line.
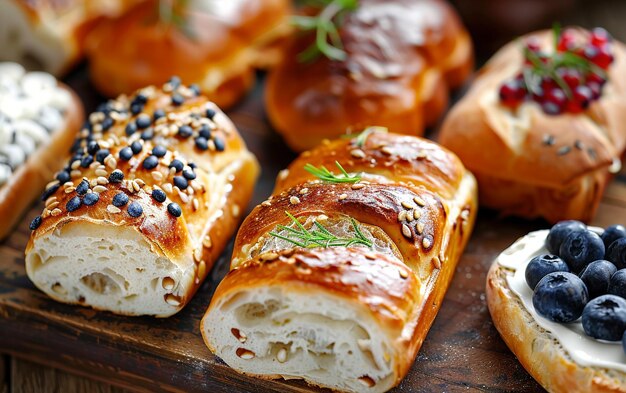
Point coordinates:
pixel 337 280
pixel 152 193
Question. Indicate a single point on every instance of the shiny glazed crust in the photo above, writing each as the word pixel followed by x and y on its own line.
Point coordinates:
pixel 397 292
pixel 218 49
pixel 537 350
pixel 402 58
pixel 25 185
pixel 210 206
pixel 531 164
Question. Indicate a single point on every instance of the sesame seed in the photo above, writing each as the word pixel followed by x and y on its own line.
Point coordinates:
pixel 406 231
pixel 420 227
pixel 419 201
pixel 343 196
pixel 357 153
pixel 358 186
pixel 206 242
pixel 195 204
pixel 172 300
pixel 407 205
pixel 55 212
pixel 159 151
pixel 417 214
pixel 120 199
pixel 82 187
pixel 125 154
pixel 426 242
pixel 235 210
pixel 402 215
pixel 35 223
pixel 110 162
pixel 75 164
pixel 436 262
pixel 167 187
pixel 159 195
pixel 69 190
pixel 113 209
pixel 150 162
pixel 101 172
pixel 387 150
pixel 73 204
pixel 281 356
pixel 135 209
pixel 75 173
pixel 266 203
pixel 294 200
pixel 157 176
pixel 101 180
pixel 564 150
pixel 174 209
pixel 579 145
pixel 116 176
pixel 409 215
pixel 91 198
pixel 403 274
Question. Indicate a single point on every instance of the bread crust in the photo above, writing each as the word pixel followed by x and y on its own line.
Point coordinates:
pixel 427 246
pixel 26 183
pixel 211 204
pixel 394 77
pixel 217 49
pixel 536 349
pixel 532 164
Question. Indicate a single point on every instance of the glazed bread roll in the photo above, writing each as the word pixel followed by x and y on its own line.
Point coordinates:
pixel 39 120
pixel 153 191
pixel 50 35
pixel 214 44
pixel 402 57
pixel 532 164
pixel 337 281
pixel 559 356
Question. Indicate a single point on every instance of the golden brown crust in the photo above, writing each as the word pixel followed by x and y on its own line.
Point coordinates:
pixel 26 183
pixel 534 151
pixel 536 349
pixel 428 224
pixel 211 204
pixel 217 48
pixel 394 77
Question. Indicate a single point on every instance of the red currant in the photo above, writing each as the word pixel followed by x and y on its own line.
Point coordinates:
pixel 596 89
pixel 582 95
pixel 566 41
pixel 551 108
pixel 604 57
pixel 556 96
pixel 512 93
pixel 600 36
pixel 595 78
pixel 533 44
pixel 571 76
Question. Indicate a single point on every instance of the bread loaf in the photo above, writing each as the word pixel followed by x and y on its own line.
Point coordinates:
pixel 158 183
pixel 39 119
pixel 337 281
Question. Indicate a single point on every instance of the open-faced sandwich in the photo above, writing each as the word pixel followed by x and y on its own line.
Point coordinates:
pixel 543 126
pixel 558 299
pixel 337 277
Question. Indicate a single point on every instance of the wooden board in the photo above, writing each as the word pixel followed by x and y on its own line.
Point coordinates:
pixel 463 351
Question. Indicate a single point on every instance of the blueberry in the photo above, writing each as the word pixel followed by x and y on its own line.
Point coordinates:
pixel 120 199
pixel 201 143
pixel 596 277
pixel 195 88
pixel 174 209
pixel 205 131
pixel 136 108
pixel 189 174
pixel 50 191
pixel 136 147
pixel 581 248
pixel 617 284
pixel 63 177
pixel 126 154
pixel 101 155
pixel 82 187
pixel 35 223
pixel 177 164
pixel 150 162
pixel 177 99
pixel 219 144
pixel 159 151
pixel 541 265
pixel 210 113
pixel 559 232
pixel 116 176
pixel 613 233
pixel 159 113
pixel 158 195
pixel 143 121
pixel 624 342
pixel 86 161
pixel 174 81
pixel 107 123
pixel 185 131
pixel 93 147
pixel 605 318
pixel 131 128
pixel 135 209
pixel 73 204
pixel 560 297
pixel 181 182
pixel 617 253
pixel 91 198
pixel 147 134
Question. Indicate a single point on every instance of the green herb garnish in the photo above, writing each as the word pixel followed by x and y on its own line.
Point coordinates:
pixel 360 139
pixel 326 24
pixel 318 236
pixel 324 174
pixel 175 13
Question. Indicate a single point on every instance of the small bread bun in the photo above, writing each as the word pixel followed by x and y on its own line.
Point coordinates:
pixel 402 57
pixel 39 119
pixel 538 349
pixel 215 45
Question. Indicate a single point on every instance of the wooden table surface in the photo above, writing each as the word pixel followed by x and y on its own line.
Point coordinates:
pixel 86 351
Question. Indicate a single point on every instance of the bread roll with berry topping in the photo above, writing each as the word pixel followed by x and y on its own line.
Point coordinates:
pixel 39 119
pixel 50 35
pixel 336 278
pixel 400 58
pixel 532 163
pixel 214 44
pixel 158 182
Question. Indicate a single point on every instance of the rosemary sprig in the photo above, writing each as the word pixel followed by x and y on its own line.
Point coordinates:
pixel 360 139
pixel 318 236
pixel 324 174
pixel 326 24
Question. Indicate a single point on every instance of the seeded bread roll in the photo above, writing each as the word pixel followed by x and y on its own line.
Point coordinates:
pixel 531 164
pixel 50 35
pixel 402 57
pixel 39 119
pixel 546 355
pixel 158 181
pixel 338 281
pixel 214 44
